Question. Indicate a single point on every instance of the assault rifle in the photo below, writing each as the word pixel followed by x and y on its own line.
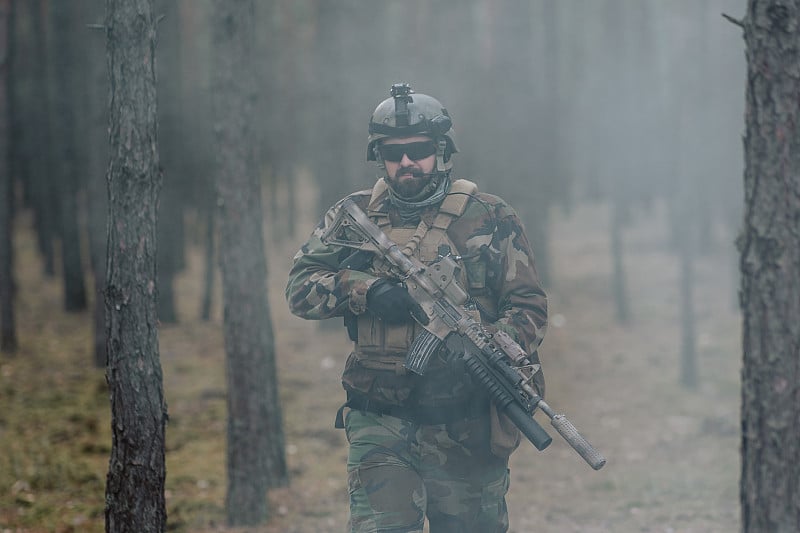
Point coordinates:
pixel 494 360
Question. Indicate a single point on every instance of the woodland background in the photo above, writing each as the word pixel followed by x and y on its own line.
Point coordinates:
pixel 614 128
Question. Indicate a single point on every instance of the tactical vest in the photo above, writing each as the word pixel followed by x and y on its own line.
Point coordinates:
pixel 374 375
pixel 375 368
pixel 385 346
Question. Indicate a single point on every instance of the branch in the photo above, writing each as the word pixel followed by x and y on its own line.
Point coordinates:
pixel 732 20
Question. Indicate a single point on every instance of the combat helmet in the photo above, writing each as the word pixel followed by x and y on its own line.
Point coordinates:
pixel 405 114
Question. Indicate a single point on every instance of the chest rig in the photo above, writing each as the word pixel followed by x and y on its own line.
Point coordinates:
pixel 384 347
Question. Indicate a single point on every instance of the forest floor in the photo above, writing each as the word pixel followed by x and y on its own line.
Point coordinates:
pixel 673 453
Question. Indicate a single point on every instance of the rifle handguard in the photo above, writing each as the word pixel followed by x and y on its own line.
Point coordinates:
pixel 506 404
pixel 528 426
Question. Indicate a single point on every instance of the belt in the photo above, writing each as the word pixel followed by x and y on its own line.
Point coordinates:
pixel 419 414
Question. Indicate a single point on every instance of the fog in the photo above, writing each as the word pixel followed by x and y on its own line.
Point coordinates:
pixel 553 102
pixel 613 127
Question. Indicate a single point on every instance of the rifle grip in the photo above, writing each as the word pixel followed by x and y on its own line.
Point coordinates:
pixel 594 458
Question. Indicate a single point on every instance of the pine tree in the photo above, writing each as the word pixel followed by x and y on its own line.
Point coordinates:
pixel 770 266
pixel 135 485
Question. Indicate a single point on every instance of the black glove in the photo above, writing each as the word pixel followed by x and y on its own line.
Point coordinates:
pixel 390 301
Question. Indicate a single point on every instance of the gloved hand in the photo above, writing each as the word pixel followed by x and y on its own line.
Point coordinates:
pixel 390 301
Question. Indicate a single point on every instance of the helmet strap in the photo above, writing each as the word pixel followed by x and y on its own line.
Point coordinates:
pixel 378 158
pixel 441 150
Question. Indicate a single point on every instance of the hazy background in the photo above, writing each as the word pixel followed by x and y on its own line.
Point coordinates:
pixel 612 126
pixel 633 102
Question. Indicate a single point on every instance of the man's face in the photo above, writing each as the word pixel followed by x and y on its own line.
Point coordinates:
pixel 407 175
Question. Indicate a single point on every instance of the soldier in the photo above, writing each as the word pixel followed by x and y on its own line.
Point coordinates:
pixel 422 446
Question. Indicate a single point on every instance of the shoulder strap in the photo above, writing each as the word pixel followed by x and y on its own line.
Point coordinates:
pixel 457 197
pixel 379 191
pixel 452 207
pixel 455 203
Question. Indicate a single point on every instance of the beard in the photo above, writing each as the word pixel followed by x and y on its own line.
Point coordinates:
pixel 409 182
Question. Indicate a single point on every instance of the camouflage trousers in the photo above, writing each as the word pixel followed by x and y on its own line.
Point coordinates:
pixel 400 472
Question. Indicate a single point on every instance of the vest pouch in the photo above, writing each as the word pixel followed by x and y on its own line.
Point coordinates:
pixel 476 273
pixel 365 374
pixel 377 337
pixel 370 334
pixel 379 378
pixel 354 378
pixel 399 338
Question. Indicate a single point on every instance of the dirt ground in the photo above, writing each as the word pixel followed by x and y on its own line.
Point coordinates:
pixel 673 454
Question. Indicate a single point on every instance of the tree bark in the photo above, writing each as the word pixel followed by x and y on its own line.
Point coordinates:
pixel 66 50
pixel 209 255
pixel 770 267
pixel 97 160
pixel 45 204
pixel 173 153
pixel 255 452
pixel 135 484
pixel 8 337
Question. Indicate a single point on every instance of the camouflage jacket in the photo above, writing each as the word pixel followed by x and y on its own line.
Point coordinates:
pixel 500 269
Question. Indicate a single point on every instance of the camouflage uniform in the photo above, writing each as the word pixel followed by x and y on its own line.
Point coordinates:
pixel 425 445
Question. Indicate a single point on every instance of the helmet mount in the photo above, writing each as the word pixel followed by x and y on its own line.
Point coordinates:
pixel 400 92
pixel 406 114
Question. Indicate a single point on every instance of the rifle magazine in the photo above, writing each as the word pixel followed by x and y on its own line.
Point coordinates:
pixel 424 346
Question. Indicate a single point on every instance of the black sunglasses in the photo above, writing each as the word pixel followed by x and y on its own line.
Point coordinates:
pixel 415 151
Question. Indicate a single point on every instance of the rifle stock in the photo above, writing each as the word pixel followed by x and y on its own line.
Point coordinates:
pixel 495 361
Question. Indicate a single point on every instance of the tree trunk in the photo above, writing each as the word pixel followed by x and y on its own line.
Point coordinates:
pixel 173 153
pixel 97 160
pixel 65 47
pixel 688 377
pixel 19 54
pixel 135 484
pixel 770 266
pixel 210 254
pixel 255 452
pixel 8 337
pixel 327 141
pixel 619 286
pixel 45 203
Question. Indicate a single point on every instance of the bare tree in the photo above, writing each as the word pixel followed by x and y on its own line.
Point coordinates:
pixel 38 108
pixel 65 47
pixel 173 153
pixel 255 452
pixel 96 147
pixel 8 338
pixel 770 266
pixel 135 485
pixel 330 137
